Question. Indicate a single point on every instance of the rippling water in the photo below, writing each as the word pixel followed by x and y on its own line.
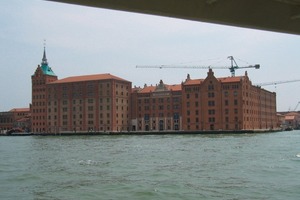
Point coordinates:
pixel 246 166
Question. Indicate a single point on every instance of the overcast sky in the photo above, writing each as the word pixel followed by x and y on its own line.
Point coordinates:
pixel 83 40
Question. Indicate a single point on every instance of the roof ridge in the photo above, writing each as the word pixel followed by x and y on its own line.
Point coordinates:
pixel 89 77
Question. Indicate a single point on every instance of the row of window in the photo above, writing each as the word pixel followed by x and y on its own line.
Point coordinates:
pixel 38 103
pixel 211 119
pixel 160 107
pixel 159 100
pixel 90 101
pixel 89 122
pixel 40 96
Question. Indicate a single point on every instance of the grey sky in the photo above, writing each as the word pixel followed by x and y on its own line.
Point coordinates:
pixel 83 40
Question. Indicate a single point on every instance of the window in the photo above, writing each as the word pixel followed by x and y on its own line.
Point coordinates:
pixel 211 94
pixel 226 102
pixel 90 108
pixel 211 103
pixel 210 87
pixel 235 119
pixel 226 119
pixel 211 112
pixel 226 111
pixel 211 119
pixel 235 102
pixel 226 93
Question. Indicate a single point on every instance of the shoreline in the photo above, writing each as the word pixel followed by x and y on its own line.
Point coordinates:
pixel 147 133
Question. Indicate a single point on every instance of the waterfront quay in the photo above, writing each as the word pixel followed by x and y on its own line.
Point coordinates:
pixel 203 132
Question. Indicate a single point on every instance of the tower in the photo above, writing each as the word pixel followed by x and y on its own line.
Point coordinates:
pixel 42 75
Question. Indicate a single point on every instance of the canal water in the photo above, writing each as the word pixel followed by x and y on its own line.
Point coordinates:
pixel 245 166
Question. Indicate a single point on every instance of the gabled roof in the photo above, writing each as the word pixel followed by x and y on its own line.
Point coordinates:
pixel 93 77
pixel 222 80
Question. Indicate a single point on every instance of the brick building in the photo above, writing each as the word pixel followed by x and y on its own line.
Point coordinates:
pixel 229 103
pixel 39 80
pixel 103 102
pixel 98 102
pixel 156 108
pixel 15 118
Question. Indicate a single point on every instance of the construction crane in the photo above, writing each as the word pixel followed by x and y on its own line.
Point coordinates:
pixel 296 106
pixel 276 82
pixel 232 68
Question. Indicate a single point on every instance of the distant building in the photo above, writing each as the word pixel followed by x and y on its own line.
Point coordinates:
pixel 15 118
pixel 104 102
pixel 6 121
pixel 98 102
pixel 291 120
pixel 41 77
pixel 156 108
pixel 229 103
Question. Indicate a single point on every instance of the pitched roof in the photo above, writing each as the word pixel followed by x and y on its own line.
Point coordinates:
pixel 20 110
pixel 147 89
pixel 176 87
pixel 222 80
pixel 47 70
pixel 193 81
pixel 230 79
pixel 289 117
pixel 93 77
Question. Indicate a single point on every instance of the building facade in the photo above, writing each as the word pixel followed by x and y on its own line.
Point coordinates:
pixel 98 102
pixel 39 80
pixel 291 120
pixel 229 103
pixel 15 118
pixel 156 108
pixel 104 102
